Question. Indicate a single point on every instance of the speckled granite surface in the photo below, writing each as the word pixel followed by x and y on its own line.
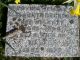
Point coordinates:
pixel 49 31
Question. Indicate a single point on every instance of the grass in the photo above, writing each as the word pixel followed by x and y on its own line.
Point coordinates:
pixel 3 20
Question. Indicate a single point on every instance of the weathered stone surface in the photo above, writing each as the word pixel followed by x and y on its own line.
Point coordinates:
pixel 47 31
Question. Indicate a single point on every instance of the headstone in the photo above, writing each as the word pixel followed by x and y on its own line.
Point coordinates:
pixel 46 31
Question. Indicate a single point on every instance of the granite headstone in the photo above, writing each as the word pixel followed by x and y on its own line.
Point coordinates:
pixel 47 31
